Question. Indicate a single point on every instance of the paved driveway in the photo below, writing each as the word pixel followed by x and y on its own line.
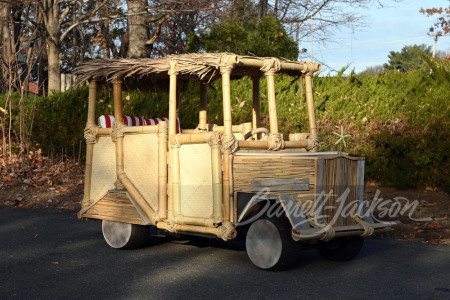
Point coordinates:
pixel 48 254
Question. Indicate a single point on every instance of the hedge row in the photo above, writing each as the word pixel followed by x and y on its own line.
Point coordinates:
pixel 399 121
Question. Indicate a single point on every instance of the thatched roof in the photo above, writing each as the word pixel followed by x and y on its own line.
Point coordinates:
pixel 205 66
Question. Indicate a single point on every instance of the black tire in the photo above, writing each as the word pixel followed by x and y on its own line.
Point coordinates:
pixel 269 244
pixel 341 249
pixel 125 236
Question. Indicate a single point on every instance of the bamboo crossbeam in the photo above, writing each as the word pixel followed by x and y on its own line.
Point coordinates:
pixel 295 136
pixel 188 138
pixel 130 130
pixel 340 231
pixel 287 66
pixel 265 144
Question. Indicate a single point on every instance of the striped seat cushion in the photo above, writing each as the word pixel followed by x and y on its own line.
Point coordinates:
pixel 106 121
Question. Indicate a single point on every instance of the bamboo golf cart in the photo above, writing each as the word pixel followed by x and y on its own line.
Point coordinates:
pixel 216 181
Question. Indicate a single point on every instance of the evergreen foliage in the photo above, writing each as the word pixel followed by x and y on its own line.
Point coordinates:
pixel 409 57
pixel 399 121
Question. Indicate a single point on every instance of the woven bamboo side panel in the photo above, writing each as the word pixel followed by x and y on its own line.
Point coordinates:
pixel 196 180
pixel 248 168
pixel 115 207
pixel 340 174
pixel 141 165
pixel 103 168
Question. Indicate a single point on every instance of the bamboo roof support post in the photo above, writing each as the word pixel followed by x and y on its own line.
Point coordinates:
pixel 162 169
pixel 203 105
pixel 176 188
pixel 173 98
pixel 270 76
pixel 256 104
pixel 172 132
pixel 311 112
pixel 178 98
pixel 228 134
pixel 216 163
pixel 90 134
pixel 118 123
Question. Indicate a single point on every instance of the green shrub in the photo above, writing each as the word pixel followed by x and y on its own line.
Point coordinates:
pixel 398 120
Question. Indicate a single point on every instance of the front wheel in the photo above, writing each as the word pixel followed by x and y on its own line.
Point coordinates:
pixel 341 249
pixel 269 244
pixel 123 235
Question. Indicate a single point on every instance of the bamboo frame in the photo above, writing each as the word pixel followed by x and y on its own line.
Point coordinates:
pixel 216 164
pixel 226 94
pixel 286 66
pixel 162 169
pixel 169 215
pixel 90 146
pixel 121 176
pixel 266 144
pixel 310 104
pixel 256 112
pixel 271 100
pixel 202 123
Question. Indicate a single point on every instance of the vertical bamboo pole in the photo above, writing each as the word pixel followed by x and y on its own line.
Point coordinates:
pixel 92 101
pixel 178 98
pixel 172 103
pixel 162 169
pixel 90 146
pixel 272 104
pixel 176 189
pixel 216 164
pixel 310 103
pixel 172 131
pixel 226 92
pixel 256 103
pixel 118 116
pixel 203 105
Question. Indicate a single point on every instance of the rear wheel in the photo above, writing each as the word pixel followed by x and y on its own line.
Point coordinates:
pixel 269 244
pixel 341 249
pixel 123 235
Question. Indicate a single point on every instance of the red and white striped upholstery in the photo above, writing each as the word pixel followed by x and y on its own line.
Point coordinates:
pixel 106 121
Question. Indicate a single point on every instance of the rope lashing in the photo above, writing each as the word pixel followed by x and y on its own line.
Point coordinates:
pixel 368 229
pixel 173 67
pixel 227 231
pixel 229 144
pixel 272 65
pixel 91 134
pixel 275 141
pixel 117 131
pixel 328 229
pixel 214 138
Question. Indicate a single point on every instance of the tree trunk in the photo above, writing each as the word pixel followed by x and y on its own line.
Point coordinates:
pixel 6 32
pixel 53 51
pixel 137 28
pixel 54 70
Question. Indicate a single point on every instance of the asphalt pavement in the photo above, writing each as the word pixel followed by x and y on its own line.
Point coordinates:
pixel 49 254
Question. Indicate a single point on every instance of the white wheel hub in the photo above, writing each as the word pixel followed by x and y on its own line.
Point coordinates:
pixel 263 243
pixel 116 234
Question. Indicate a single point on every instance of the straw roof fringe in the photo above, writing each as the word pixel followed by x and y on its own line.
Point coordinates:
pixel 204 66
